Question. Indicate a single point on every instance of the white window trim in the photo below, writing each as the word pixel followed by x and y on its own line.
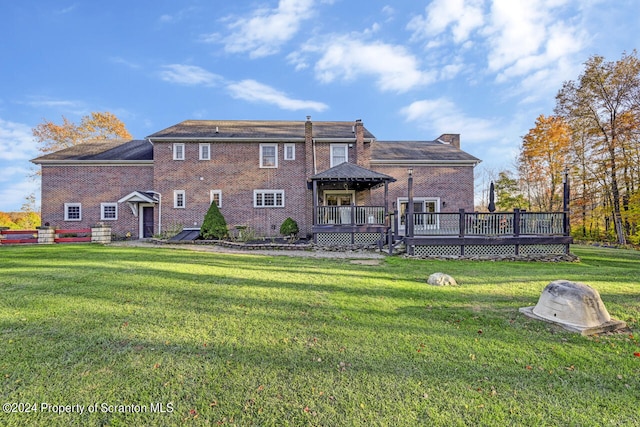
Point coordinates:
pixel 200 148
pixel 293 151
pixel 263 193
pixel 105 205
pixel 214 192
pixel 262 166
pixel 175 151
pixel 176 193
pixel 346 153
pixel 66 211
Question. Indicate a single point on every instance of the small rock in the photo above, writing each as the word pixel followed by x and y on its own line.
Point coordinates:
pixel 441 279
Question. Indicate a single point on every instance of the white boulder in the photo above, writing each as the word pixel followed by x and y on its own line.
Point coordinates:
pixel 441 279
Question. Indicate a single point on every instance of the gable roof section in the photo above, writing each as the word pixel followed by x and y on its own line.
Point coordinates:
pixel 419 152
pixel 351 172
pixel 256 129
pixel 107 152
pixel 139 197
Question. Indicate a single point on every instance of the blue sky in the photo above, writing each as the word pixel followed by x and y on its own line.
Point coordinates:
pixel 409 69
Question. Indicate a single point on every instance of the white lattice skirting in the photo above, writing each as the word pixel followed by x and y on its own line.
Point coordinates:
pixel 366 238
pixel 434 250
pixel 542 249
pixel 488 250
pixel 344 239
pixel 333 239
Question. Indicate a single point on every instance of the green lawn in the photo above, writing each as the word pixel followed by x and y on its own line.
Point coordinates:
pixel 223 339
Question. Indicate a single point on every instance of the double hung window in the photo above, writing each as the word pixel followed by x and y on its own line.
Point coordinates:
pixel 178 151
pixel 268 155
pixel 179 199
pixel 339 154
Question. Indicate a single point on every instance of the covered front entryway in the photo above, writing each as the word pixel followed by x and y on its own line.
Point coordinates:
pixel 142 204
pixel 341 214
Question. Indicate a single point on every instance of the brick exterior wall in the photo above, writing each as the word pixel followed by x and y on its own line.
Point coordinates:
pixel 91 186
pixel 452 184
pixel 234 169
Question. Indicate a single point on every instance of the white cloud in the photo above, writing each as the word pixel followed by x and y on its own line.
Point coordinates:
pixel 17 146
pixel 190 75
pixel 55 103
pixel 462 16
pixel 517 37
pixel 15 186
pixel 442 115
pixel 125 62
pixel 16 142
pixel 253 91
pixel 346 57
pixel 266 30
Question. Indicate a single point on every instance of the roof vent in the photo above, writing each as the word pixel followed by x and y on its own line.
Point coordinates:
pixel 443 142
pixel 216 129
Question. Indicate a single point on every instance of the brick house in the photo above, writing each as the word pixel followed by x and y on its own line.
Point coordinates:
pixel 334 178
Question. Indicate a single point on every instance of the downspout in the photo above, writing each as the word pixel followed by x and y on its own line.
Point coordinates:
pixel 159 201
pixel 313 146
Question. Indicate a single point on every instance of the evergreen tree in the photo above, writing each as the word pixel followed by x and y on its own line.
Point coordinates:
pixel 214 225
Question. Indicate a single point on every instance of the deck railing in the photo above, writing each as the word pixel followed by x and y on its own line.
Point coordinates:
pixel 462 223
pixel 350 215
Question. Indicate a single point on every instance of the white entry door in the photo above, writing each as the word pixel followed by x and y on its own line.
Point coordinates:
pixel 422 206
pixel 340 203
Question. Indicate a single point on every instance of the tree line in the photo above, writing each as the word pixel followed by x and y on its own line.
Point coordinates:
pixel 593 140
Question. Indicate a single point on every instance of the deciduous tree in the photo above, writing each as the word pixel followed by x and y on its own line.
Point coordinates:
pixel 603 103
pixel 96 126
pixel 542 161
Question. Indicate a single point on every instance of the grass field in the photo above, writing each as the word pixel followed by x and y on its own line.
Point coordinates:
pixel 157 336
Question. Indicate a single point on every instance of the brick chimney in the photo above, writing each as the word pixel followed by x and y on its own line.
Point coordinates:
pixel 450 138
pixel 361 155
pixel 308 148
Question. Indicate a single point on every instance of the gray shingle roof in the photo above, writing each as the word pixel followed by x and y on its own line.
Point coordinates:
pixel 257 129
pixel 107 150
pixel 425 151
pixel 351 172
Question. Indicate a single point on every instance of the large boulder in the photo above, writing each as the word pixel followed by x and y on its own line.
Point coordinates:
pixel 441 279
pixel 574 306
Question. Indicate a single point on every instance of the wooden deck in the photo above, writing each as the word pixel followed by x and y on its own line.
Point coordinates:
pixel 444 233
pixel 474 233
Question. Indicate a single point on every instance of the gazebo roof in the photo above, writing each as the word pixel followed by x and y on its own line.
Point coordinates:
pixel 349 172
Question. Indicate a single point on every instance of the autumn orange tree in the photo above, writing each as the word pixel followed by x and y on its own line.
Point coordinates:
pixel 542 162
pixel 603 106
pixel 94 127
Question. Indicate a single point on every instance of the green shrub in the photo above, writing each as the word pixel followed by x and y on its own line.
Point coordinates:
pixel 289 228
pixel 214 225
